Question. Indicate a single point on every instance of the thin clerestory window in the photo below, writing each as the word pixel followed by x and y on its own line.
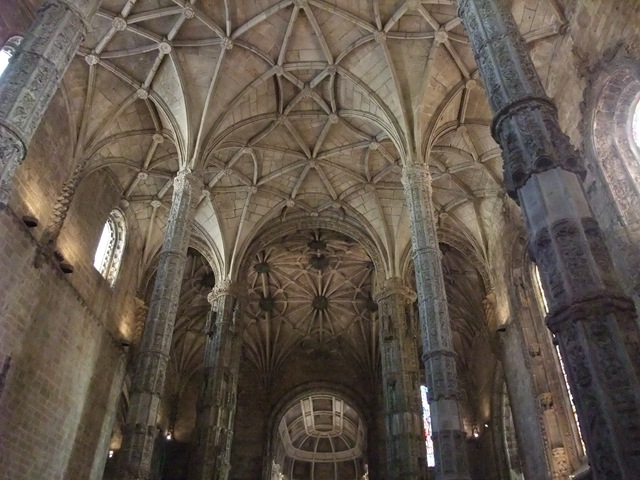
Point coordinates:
pixel 545 309
pixel 111 247
pixel 8 51
pixel 426 420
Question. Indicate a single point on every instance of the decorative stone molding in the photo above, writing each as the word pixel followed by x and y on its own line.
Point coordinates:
pixel 395 286
pixel 560 467
pixel 227 43
pixel 225 288
pixel 189 12
pixel 139 320
pixel 119 24
pixel 546 401
pixel 92 59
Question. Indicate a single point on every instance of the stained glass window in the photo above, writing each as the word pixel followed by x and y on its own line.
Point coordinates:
pixel 426 418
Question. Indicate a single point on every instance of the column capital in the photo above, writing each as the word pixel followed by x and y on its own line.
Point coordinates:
pixel 395 286
pixel 226 288
pixel 414 174
pixel 187 176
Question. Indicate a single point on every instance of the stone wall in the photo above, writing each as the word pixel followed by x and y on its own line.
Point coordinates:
pixel 595 27
pixel 63 365
pixel 62 333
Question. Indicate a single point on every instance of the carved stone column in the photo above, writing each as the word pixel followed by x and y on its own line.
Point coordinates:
pixel 406 454
pixel 217 404
pixel 593 321
pixel 151 362
pixel 449 438
pixel 33 76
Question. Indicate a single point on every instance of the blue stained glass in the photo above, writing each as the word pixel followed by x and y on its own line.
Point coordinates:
pixel 426 418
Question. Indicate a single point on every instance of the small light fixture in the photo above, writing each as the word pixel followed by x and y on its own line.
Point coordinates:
pixel 475 432
pixel 486 425
pixel 66 267
pixel 30 221
pixel 110 453
pixel 169 436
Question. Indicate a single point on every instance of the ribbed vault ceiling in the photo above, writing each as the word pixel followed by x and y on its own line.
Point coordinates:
pixel 294 109
pixel 301 107
pixel 311 290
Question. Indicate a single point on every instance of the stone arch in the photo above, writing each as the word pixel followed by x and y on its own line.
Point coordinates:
pixel 276 230
pixel 613 159
pixel 355 401
pixel 110 249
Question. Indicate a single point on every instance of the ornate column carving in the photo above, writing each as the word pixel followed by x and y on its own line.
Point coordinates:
pixel 593 321
pixel 439 357
pixel 151 362
pixel 33 76
pixel 61 207
pixel 406 454
pixel 217 403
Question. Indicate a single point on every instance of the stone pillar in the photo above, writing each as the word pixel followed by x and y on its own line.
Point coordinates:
pixel 217 404
pixel 147 385
pixel 449 438
pixel 33 76
pixel 523 398
pixel 406 453
pixel 593 321
pixel 104 439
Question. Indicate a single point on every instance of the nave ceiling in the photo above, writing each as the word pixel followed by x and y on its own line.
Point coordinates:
pixel 305 111
pixel 292 109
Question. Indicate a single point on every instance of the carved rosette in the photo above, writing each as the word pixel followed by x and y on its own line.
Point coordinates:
pixel 439 357
pixel 151 363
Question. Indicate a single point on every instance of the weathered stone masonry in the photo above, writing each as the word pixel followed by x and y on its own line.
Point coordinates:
pixel 439 356
pixel 34 76
pixel 151 363
pixel 593 321
pixel 401 382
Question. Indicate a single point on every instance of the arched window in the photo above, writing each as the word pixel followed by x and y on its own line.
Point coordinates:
pixel 426 418
pixel 635 122
pixel 545 309
pixel 110 247
pixel 8 51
